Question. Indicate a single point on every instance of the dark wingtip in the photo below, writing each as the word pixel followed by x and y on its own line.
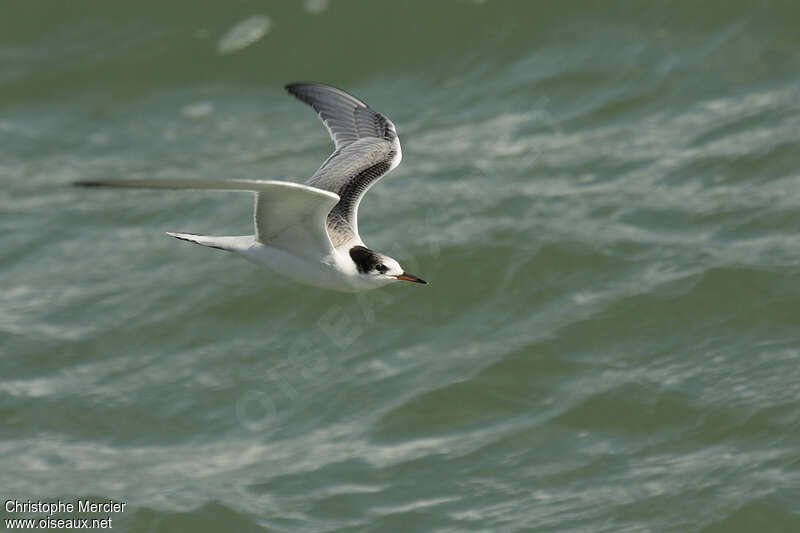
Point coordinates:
pixel 291 88
pixel 87 183
pixel 296 88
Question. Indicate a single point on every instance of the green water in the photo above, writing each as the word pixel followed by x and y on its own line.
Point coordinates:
pixel 604 196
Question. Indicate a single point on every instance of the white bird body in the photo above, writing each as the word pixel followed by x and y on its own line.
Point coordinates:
pixel 309 232
pixel 333 272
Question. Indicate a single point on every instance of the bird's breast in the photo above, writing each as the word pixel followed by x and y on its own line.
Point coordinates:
pixel 326 273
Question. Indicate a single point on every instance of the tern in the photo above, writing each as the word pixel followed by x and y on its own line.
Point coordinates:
pixel 309 232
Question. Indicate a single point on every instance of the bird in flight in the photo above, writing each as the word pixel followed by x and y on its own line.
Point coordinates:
pixel 309 232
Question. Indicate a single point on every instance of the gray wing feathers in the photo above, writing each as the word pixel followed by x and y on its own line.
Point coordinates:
pixel 289 216
pixel 350 174
pixel 367 147
pixel 190 183
pixel 347 118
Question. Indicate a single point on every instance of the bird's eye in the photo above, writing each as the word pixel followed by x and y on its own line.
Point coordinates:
pixel 382 268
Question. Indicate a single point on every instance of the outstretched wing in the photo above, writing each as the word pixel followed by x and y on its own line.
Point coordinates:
pixel 288 215
pixel 367 147
pixel 294 218
pixel 347 118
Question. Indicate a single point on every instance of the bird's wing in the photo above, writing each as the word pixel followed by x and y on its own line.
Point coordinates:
pixel 350 174
pixel 347 118
pixel 367 147
pixel 288 215
pixel 294 218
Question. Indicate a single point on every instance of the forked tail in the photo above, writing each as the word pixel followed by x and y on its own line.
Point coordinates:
pixel 230 244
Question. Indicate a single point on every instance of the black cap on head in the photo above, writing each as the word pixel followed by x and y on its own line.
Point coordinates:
pixel 365 259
